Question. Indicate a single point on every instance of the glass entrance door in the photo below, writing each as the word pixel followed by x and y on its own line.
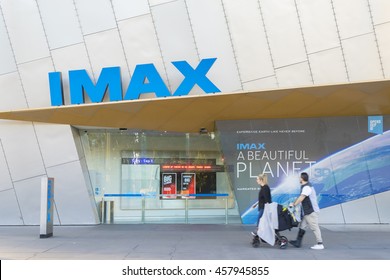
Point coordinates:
pixel 155 177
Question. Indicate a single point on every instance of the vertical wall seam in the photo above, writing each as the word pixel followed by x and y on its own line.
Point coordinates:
pixel 232 45
pixel 6 161
pixel 44 165
pixel 9 39
pixel 373 194
pixel 82 34
pixel 120 38
pixel 159 46
pixel 44 32
pixel 14 56
pixel 365 157
pixel 337 192
pixel 340 40
pixel 192 29
pixel 25 96
pixel 376 39
pixel 304 42
pixel 33 125
pixel 12 181
pixel 268 43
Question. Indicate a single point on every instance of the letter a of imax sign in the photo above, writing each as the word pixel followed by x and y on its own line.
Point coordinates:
pixel 145 79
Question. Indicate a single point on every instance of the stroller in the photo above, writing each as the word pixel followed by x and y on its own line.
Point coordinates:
pixel 276 218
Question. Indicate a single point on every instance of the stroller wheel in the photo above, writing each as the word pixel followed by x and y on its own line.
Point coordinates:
pixel 283 241
pixel 255 242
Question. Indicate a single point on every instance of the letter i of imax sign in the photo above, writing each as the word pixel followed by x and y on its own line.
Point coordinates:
pixel 110 79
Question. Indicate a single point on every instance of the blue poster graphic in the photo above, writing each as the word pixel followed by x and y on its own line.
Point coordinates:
pixel 344 161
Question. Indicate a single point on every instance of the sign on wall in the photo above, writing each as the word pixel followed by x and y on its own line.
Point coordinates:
pixel 144 79
pixel 344 160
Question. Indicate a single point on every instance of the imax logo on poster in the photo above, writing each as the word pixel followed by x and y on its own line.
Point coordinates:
pixel 145 79
pixel 251 146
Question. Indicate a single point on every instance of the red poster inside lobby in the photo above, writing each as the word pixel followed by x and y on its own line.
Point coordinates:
pixel 188 183
pixel 169 185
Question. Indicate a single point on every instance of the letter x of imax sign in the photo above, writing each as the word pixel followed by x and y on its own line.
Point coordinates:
pixel 110 79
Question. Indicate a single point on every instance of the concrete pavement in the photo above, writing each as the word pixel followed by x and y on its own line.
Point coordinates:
pixel 187 242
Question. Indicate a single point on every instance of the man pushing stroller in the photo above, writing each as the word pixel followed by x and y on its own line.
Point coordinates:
pixel 309 214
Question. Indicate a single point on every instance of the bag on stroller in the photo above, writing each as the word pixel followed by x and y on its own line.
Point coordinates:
pixel 275 219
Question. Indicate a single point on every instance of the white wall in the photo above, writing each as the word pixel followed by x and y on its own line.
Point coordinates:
pixel 259 45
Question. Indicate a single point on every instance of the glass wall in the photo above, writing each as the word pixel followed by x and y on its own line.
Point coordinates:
pixel 159 177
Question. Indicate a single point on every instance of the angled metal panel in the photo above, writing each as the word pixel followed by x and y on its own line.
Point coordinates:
pixel 284 33
pixel 249 39
pixel 27 32
pixel 95 15
pixel 212 39
pixel 61 24
pixel 176 40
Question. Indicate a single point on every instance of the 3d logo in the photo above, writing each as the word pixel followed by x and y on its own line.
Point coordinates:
pixel 145 79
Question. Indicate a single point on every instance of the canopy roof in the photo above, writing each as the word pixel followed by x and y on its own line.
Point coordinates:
pixel 190 113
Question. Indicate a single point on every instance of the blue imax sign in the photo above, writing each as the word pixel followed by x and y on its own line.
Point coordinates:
pixel 250 146
pixel 145 79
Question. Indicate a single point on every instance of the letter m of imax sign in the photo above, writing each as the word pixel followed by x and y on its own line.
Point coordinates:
pixel 145 79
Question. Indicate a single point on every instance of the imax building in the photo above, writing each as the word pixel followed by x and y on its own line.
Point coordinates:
pixel 165 111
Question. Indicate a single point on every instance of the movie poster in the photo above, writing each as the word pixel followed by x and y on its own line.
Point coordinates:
pixel 169 185
pixel 188 184
pixel 347 158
